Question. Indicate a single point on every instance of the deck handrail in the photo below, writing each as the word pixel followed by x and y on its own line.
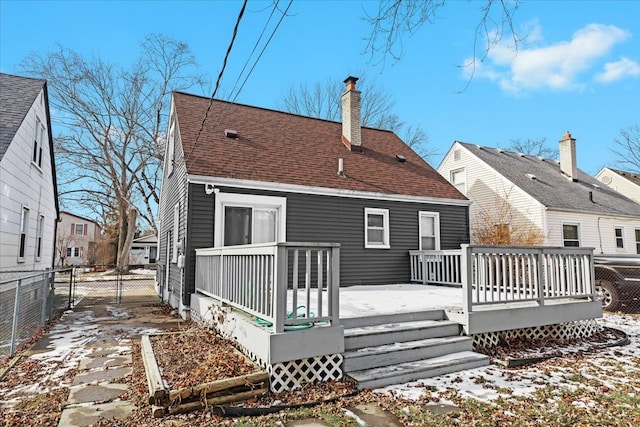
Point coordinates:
pixel 286 285
pixel 492 275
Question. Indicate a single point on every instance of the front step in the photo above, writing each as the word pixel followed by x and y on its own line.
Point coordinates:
pixel 368 336
pixel 411 371
pixel 401 352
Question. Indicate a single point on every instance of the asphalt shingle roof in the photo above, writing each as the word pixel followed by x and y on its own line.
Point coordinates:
pixel 633 177
pixel 274 146
pixel 553 189
pixel 17 95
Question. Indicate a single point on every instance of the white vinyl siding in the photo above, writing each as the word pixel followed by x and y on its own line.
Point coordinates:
pixel 488 190
pixel 376 228
pixel 620 184
pixel 595 231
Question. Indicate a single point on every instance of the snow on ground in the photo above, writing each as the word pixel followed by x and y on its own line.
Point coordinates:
pixel 611 367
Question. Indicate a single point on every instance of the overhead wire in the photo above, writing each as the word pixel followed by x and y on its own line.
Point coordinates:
pixel 219 79
pixel 234 97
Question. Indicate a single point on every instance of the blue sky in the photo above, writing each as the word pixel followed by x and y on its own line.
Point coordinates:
pixel 578 68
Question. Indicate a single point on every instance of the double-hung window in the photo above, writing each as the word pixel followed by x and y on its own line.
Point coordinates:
pixel 429 229
pixel 458 177
pixel 638 241
pixel 24 231
pixel 570 235
pixel 376 228
pixel 619 233
pixel 243 219
pixel 39 233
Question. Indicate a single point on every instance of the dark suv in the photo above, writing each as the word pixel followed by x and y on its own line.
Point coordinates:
pixel 618 281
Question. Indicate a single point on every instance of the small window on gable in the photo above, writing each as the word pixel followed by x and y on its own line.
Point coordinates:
pixel 38 141
pixel 376 228
pixel 171 142
pixel 456 154
pixel 79 229
pixel 570 235
pixel 429 230
pixel 619 233
pixel 459 179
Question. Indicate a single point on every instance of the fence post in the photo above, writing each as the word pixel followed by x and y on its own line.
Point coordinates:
pixel 334 292
pixel 70 287
pixel 16 314
pixel 45 298
pixel 466 263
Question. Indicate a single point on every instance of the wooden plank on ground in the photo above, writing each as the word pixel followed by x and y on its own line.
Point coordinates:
pixel 157 391
pixel 223 384
pixel 238 397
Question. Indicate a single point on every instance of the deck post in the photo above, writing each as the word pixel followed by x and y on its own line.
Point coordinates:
pixel 466 264
pixel 539 278
pixel 334 286
pixel 280 289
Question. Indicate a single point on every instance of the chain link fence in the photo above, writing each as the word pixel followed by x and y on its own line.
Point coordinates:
pixel 617 281
pixel 104 284
pixel 29 300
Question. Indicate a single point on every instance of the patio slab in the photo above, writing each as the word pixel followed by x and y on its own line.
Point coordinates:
pixel 81 416
pixel 104 362
pixel 102 375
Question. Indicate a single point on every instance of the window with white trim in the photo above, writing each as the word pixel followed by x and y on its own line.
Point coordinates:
pixel 570 235
pixel 458 177
pixel 376 228
pixel 243 219
pixel 638 241
pixel 38 140
pixel 619 233
pixel 79 229
pixel 39 233
pixel 176 224
pixel 24 232
pixel 429 231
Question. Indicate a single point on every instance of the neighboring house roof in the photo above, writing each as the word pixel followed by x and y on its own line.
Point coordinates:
pixel 280 147
pixel 79 217
pixel 551 188
pixel 17 95
pixel 630 176
pixel 151 238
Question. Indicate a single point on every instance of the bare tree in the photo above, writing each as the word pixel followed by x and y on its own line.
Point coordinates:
pixel 110 146
pixel 501 224
pixel 627 148
pixel 533 147
pixel 398 18
pixel 323 100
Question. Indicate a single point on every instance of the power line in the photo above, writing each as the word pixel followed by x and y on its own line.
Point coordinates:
pixel 234 97
pixel 224 65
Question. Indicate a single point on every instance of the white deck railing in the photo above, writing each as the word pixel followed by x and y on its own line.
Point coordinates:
pixel 286 285
pixel 499 274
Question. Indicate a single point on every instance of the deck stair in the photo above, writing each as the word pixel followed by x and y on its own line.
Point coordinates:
pixel 396 348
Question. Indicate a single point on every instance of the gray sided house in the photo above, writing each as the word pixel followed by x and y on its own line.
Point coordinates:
pixel 251 175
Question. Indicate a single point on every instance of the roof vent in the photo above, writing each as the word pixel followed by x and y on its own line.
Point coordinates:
pixel 230 133
pixel 401 158
pixel 532 177
pixel 596 186
pixel 521 154
pixel 499 150
pixel 479 147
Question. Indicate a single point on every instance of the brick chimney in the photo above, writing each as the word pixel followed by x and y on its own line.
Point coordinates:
pixel 568 163
pixel 351 130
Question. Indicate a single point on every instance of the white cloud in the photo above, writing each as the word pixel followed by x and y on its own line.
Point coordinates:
pixel 618 70
pixel 556 66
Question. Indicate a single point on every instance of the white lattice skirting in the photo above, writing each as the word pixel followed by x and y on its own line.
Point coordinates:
pixel 561 331
pixel 294 374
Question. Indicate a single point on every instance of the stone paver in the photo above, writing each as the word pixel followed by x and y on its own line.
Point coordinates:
pixel 373 415
pixel 307 423
pixel 442 409
pixel 104 362
pixel 99 376
pixel 80 416
pixel 88 393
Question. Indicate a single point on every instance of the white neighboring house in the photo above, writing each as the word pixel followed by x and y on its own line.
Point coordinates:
pixel 144 251
pixel 28 190
pixel 563 204
pixel 627 183
pixel 77 240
